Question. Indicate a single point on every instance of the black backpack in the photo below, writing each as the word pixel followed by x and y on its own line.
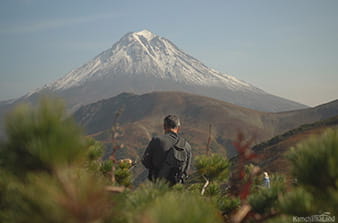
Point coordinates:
pixel 174 168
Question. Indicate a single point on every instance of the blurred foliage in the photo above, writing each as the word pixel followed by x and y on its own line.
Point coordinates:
pixel 298 202
pixel 213 167
pixel 94 155
pixel 106 167
pixel 315 162
pixel 280 219
pixel 263 199
pixel 227 204
pixel 41 166
pixel 213 189
pixel 122 174
pixel 315 167
pixel 144 194
pixel 95 150
pixel 40 139
pixel 50 172
pixel 68 197
pixel 174 207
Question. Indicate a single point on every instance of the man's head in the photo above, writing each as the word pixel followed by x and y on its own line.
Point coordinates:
pixel 171 123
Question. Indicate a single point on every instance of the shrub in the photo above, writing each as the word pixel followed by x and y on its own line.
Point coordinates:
pixel 106 167
pixel 40 139
pixel 122 174
pixel 298 202
pixel 213 189
pixel 314 166
pixel 174 207
pixel 72 196
pixel 213 167
pixel 315 162
pixel 262 199
pixel 135 202
pixel 95 150
pixel 227 204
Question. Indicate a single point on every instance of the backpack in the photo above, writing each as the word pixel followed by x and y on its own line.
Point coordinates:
pixel 176 163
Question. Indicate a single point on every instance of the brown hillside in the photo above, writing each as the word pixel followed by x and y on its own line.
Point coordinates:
pixel 272 154
pixel 142 117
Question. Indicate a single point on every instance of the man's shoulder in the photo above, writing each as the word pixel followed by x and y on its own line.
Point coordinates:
pixel 159 138
pixel 169 140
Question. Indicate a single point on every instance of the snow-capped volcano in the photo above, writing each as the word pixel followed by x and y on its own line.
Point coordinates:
pixel 142 62
pixel 151 55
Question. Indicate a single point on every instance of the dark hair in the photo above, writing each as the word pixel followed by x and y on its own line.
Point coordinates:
pixel 171 122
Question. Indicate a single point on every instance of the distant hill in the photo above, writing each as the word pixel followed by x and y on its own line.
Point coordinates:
pixel 292 119
pixel 272 152
pixel 142 117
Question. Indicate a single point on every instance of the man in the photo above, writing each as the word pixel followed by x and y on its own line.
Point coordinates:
pixel 169 156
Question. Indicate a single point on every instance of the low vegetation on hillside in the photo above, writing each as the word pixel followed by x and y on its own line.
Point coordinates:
pixel 326 122
pixel 51 172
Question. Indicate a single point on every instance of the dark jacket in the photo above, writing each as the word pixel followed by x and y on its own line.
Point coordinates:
pixel 157 150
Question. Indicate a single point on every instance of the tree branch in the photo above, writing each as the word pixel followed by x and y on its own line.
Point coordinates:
pixel 205 185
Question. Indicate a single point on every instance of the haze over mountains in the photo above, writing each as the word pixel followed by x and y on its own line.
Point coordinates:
pixel 142 62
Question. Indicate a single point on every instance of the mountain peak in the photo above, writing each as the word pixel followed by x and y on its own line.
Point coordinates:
pixel 145 33
pixel 144 54
pixel 143 62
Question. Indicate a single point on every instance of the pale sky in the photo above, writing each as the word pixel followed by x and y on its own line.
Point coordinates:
pixel 288 48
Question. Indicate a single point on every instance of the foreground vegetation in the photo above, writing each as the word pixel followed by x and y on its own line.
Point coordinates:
pixel 51 172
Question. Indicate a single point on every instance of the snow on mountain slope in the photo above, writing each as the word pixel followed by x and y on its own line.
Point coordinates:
pixel 142 62
pixel 144 53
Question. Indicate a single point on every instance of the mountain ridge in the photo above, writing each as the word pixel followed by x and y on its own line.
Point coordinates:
pixel 143 62
pixel 272 153
pixel 196 112
pixel 141 116
pixel 99 79
pixel 119 58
